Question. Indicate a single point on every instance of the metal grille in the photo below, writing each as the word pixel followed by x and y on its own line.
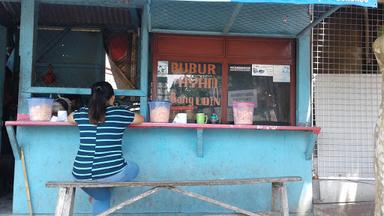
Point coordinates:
pixel 214 17
pixel 196 16
pixel 346 91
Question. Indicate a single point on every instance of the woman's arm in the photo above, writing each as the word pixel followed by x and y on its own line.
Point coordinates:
pixel 70 118
pixel 138 119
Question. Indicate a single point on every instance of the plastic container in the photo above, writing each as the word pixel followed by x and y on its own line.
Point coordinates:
pixel 159 111
pixel 243 113
pixel 40 109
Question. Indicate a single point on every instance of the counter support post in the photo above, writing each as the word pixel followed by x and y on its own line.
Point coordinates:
pixel 200 146
pixel 13 142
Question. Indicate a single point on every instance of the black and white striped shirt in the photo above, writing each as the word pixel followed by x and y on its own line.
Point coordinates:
pixel 100 153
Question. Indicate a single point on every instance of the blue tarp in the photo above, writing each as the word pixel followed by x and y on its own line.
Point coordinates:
pixel 365 3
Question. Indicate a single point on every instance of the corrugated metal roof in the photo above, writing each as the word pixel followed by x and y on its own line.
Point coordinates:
pixel 9 13
pixel 223 18
pixel 191 17
pixel 71 15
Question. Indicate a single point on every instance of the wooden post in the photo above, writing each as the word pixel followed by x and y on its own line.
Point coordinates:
pixel 144 55
pixel 28 36
pixel 280 198
pixel 275 196
pixel 284 200
pixel 65 201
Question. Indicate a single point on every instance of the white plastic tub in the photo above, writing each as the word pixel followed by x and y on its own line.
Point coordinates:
pixel 159 111
pixel 40 109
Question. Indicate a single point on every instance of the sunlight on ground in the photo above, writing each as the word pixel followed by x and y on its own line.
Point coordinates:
pixel 305 201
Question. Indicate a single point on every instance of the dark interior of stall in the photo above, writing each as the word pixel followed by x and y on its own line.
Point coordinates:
pixel 9 18
pixel 75 47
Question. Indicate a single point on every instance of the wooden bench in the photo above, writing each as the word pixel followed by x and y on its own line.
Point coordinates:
pixel 67 190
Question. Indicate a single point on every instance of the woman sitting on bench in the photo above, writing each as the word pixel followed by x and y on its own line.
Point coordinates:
pixel 100 157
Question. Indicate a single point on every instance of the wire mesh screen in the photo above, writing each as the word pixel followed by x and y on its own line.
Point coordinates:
pixel 213 17
pixel 346 91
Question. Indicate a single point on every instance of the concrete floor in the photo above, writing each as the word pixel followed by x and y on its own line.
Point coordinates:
pixel 6 205
pixel 348 209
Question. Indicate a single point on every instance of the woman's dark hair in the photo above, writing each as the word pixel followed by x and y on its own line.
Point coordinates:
pixel 101 93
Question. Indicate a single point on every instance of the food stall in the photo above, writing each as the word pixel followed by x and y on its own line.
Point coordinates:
pixel 203 57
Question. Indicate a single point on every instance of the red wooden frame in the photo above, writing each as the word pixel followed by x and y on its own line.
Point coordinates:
pixel 225 61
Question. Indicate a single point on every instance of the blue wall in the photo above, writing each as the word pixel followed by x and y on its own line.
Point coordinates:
pixel 170 154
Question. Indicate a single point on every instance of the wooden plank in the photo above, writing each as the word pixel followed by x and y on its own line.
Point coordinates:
pixel 65 202
pixel 91 184
pixel 213 201
pixel 130 201
pixel 83 91
pixel 26 182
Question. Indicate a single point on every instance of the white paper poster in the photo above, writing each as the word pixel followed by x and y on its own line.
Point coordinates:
pixel 262 70
pixel 280 73
pixel 162 68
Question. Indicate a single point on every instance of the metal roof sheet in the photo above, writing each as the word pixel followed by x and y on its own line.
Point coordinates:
pixel 72 15
pixel 227 18
pixel 173 16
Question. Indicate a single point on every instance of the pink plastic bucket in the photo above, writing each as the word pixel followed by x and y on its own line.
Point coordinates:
pixel 243 113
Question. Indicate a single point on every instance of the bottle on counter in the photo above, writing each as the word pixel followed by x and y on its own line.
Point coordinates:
pixel 214 118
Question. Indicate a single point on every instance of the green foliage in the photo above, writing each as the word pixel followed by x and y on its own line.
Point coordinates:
pixel 380 32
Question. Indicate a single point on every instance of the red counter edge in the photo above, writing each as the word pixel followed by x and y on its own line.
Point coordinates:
pixel 315 130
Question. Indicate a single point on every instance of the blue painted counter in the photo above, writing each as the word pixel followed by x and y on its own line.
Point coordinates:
pixel 170 154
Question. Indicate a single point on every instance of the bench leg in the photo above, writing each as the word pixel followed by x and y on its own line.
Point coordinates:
pixel 65 202
pixel 280 198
